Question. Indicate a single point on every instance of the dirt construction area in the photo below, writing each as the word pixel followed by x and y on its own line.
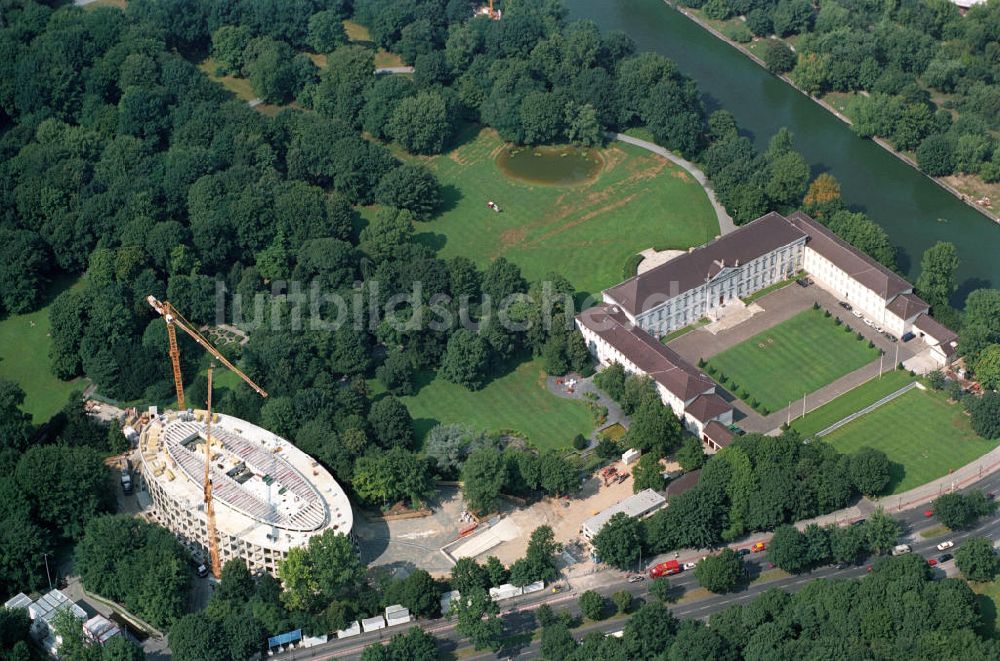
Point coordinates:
pixel 402 545
pixel 565 516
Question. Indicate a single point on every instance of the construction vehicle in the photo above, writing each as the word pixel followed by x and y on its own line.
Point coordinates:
pixel 173 318
pixel 126 477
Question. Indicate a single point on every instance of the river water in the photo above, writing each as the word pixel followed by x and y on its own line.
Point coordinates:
pixel 914 211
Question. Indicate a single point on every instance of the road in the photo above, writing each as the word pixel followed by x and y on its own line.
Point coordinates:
pixel 519 620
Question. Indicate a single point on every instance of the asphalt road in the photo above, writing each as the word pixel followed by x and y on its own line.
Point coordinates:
pixel 519 621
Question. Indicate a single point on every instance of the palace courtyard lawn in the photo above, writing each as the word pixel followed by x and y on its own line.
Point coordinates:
pixel 923 434
pixel 585 231
pixel 795 357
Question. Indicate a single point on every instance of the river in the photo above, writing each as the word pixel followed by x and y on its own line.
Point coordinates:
pixel 914 211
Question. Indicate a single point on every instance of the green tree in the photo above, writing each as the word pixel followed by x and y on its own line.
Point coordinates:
pixel 67 486
pixel 936 155
pixel 788 549
pixel 396 373
pixel 592 605
pixel 198 638
pixel 619 542
pixel 881 532
pixel 611 380
pixel 478 621
pixel 418 592
pixel 327 568
pixel 391 422
pixel 869 471
pixel 15 423
pixel 412 187
pixel 390 476
pixel 722 572
pixel 389 229
pixel 421 123
pixel 228 45
pixel 977 560
pixel 660 588
pixel 466 359
pixel 622 600
pixel 654 429
pixel 649 632
pixel 987 367
pixel 691 456
pixel 648 474
pixel 957 510
pixel 496 571
pixel 467 575
pixel 539 561
pixel 986 415
pixel 778 57
pixel 326 32
pixel 936 282
pixel 557 642
pixel 482 479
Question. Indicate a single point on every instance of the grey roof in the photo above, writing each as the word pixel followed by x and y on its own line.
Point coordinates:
pixel 641 503
pixel 660 362
pixel 907 306
pixel 693 268
pixel 849 259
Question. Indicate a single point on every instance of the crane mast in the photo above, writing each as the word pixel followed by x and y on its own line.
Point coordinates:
pixel 175 320
pixel 213 536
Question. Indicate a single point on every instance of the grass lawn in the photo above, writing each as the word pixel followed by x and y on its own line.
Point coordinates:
pixel 120 4
pixel 359 34
pixel 796 357
pixel 584 231
pixel 518 400
pixel 851 402
pixel 923 435
pixel 24 358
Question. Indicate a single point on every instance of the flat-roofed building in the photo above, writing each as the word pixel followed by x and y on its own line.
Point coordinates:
pixel 268 495
pixel 645 502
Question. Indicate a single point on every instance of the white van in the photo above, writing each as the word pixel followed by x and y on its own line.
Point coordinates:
pixel 902 549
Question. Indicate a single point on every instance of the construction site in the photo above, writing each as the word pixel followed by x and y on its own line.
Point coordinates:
pixel 267 495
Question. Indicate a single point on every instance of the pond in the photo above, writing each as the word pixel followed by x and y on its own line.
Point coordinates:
pixel 554 166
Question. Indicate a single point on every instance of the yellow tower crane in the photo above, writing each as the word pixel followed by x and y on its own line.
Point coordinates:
pixel 173 319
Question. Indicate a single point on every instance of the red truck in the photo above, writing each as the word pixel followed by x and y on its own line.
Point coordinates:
pixel 665 569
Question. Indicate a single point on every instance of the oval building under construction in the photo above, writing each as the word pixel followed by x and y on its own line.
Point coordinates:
pixel 268 495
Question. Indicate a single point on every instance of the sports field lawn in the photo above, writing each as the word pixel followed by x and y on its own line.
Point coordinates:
pixel 517 400
pixel 24 359
pixel 851 402
pixel 923 435
pixel 796 357
pixel 584 231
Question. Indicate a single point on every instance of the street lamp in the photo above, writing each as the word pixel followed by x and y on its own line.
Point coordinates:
pixel 47 575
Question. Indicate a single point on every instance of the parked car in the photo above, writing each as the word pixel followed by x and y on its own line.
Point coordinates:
pixel 845 305
pixel 907 337
pixel 932 561
pixel 928 514
pixel 869 322
pixel 758 547
pixel 688 566
pixel 636 578
pixel 856 313
pixel 842 565
pixel 944 557
pixel 743 552
pixel 890 337
pixel 944 546
pixel 859 522
pixel 901 549
pixel 802 283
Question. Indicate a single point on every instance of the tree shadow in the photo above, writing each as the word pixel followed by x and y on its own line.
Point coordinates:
pixel 433 240
pixel 967 286
pixel 897 472
pixel 988 614
pixel 450 197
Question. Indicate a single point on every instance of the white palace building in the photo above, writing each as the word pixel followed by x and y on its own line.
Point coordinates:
pixel 702 282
